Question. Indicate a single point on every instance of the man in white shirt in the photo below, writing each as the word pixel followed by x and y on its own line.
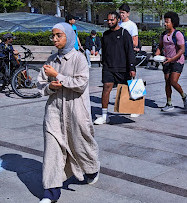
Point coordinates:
pixel 131 27
pixel 127 24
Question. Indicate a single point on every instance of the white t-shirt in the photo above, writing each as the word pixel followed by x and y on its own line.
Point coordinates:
pixel 130 26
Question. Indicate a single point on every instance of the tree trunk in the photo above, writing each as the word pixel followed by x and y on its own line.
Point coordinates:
pixel 42 10
pixel 29 3
pixel 89 12
pixel 161 20
pixel 58 12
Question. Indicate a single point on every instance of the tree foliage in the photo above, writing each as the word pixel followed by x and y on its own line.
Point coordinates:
pixel 10 5
pixel 160 7
pixel 41 4
pixel 69 6
pixel 156 7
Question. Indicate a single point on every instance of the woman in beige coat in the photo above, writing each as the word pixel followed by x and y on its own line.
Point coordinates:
pixel 69 145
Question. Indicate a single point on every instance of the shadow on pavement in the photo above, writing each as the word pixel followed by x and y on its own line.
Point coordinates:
pixel 73 181
pixel 151 103
pixel 119 119
pixel 95 99
pixel 94 111
pixel 29 175
pixel 98 100
pixel 9 93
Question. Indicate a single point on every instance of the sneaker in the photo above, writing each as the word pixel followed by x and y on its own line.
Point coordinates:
pixel 101 120
pixel 134 115
pixel 92 178
pixel 185 102
pixel 89 66
pixel 167 108
pixel 46 200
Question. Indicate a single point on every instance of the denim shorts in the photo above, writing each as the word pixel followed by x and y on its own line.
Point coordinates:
pixel 172 67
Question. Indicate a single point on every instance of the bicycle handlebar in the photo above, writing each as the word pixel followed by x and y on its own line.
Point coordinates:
pixel 28 52
pixel 23 47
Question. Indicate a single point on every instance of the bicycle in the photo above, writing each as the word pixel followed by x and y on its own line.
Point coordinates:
pixel 154 48
pixel 22 80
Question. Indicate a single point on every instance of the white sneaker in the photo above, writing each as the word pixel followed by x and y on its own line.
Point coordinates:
pixel 89 66
pixel 101 120
pixel 134 115
pixel 45 200
pixel 167 108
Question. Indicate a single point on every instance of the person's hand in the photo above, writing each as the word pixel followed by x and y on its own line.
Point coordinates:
pixel 15 52
pixel 50 71
pixel 168 60
pixel 96 53
pixel 132 74
pixel 92 52
pixel 136 49
pixel 55 85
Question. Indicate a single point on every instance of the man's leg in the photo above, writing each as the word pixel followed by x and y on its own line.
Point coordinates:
pixel 107 87
pixel 88 56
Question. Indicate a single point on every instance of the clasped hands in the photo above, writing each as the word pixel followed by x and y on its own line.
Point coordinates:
pixel 51 72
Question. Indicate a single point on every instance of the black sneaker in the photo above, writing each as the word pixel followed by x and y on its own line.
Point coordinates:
pixel 185 102
pixel 92 178
pixel 167 108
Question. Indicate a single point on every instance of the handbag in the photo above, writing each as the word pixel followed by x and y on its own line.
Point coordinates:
pixel 136 88
pixel 123 103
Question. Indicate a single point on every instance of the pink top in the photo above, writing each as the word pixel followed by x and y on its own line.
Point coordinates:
pixel 170 50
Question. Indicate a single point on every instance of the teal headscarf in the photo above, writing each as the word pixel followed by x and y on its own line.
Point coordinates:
pixel 70 37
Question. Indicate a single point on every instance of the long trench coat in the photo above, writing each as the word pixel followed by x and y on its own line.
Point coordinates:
pixel 69 144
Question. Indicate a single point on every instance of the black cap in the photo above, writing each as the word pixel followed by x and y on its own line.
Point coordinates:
pixel 8 35
pixel 93 32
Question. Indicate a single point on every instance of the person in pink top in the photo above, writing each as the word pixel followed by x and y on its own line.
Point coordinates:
pixel 174 53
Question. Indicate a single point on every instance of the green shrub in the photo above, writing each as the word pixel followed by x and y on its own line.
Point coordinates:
pixel 147 37
pixel 28 38
pixel 39 39
pixel 42 38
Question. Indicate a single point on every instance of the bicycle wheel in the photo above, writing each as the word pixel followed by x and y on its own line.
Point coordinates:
pixel 24 82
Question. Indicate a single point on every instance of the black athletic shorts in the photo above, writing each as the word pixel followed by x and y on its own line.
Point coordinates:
pixel 115 77
pixel 172 67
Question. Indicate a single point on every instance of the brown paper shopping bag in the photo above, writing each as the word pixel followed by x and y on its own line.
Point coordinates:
pixel 124 104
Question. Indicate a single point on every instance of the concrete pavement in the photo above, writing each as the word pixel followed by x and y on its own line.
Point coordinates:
pixel 143 159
